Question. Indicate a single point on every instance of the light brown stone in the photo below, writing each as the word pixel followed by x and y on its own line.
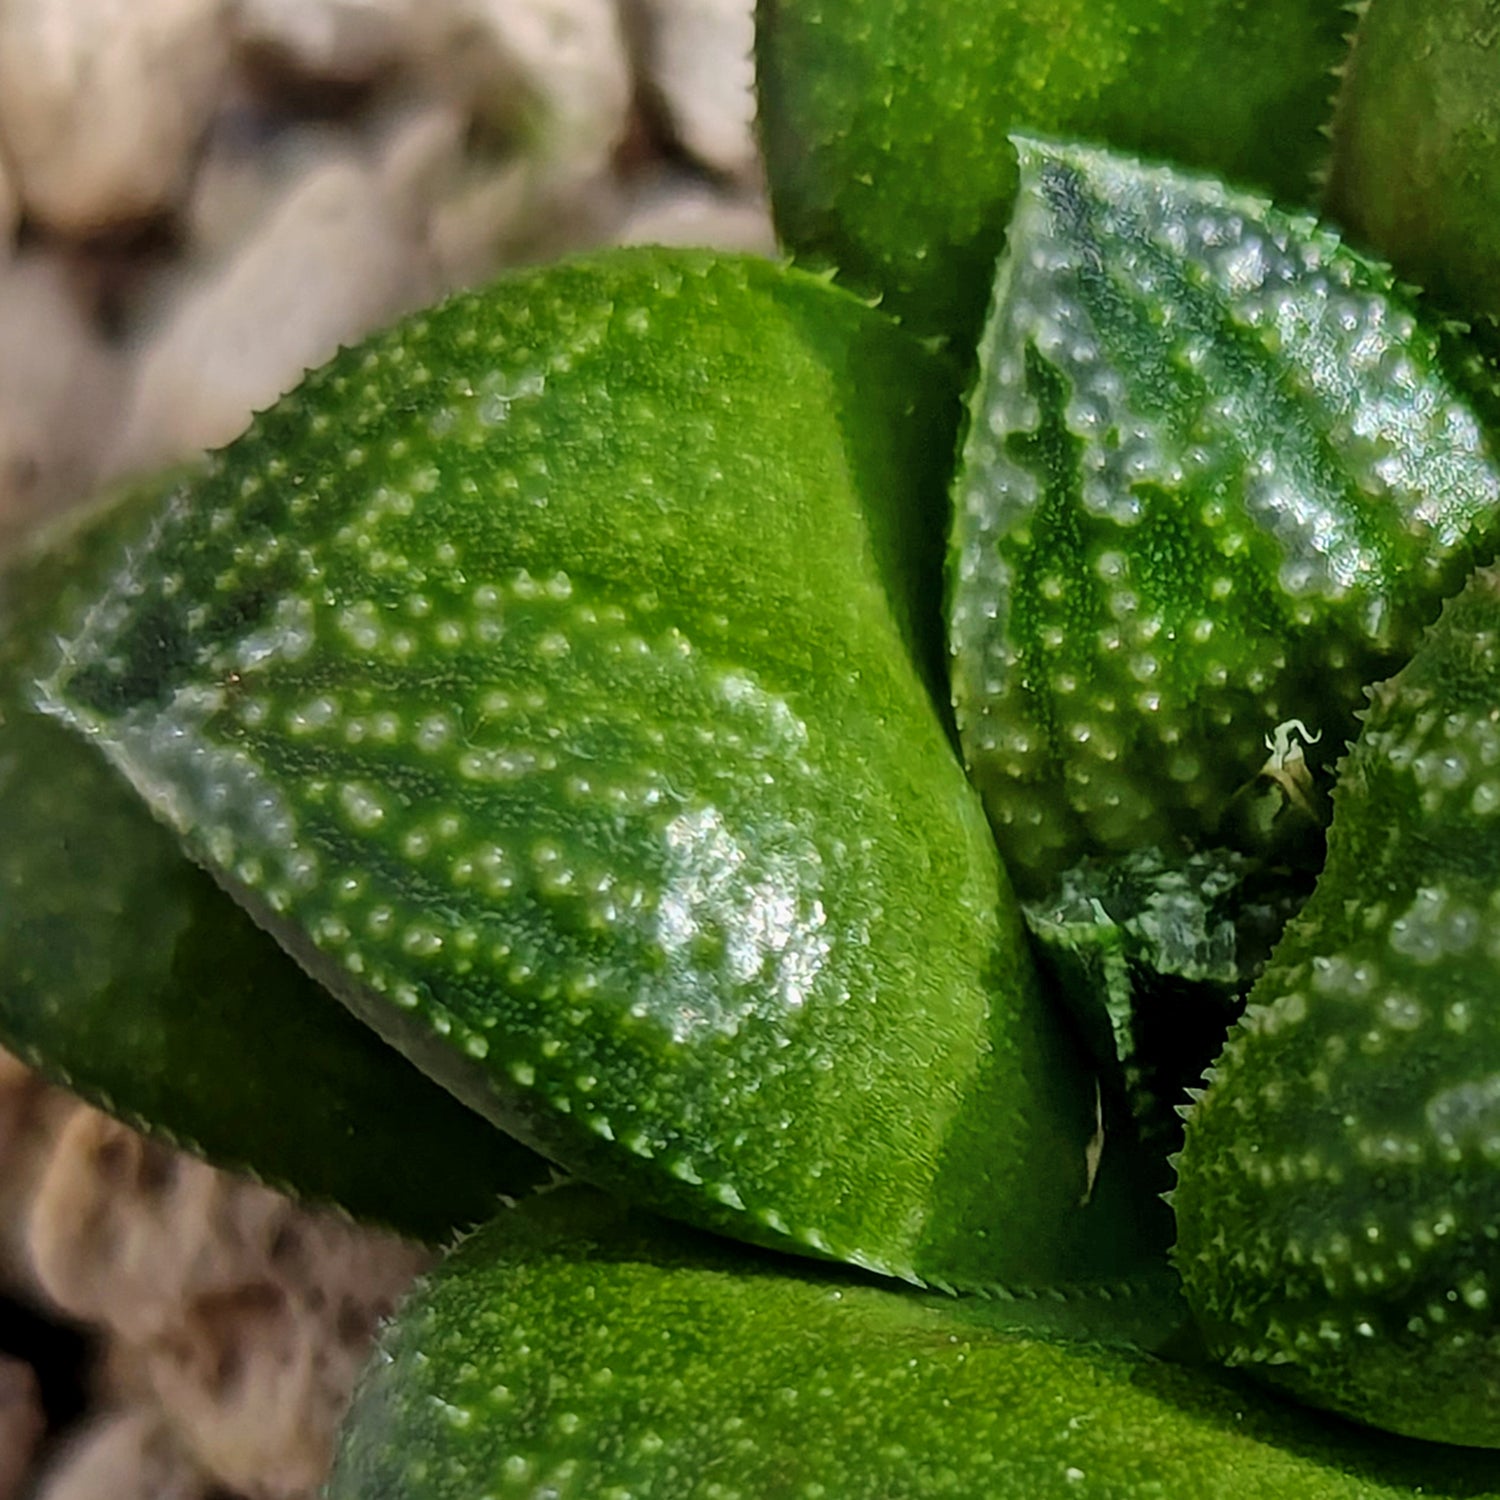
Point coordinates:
pixel 32 1115
pixel 102 103
pixel 699 58
pixel 554 73
pixel 130 1455
pixel 59 392
pixel 336 257
pixel 246 1318
pixel 10 211
pixel 674 209
pixel 21 1425
pixel 344 41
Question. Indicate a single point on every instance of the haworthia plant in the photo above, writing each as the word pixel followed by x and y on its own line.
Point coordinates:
pixel 577 1351
pixel 550 685
pixel 885 124
pixel 1339 1196
pixel 559 677
pixel 128 975
pixel 1217 478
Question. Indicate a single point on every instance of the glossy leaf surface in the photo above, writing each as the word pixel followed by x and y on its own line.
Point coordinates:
pixel 545 673
pixel 128 975
pixel 1217 479
pixel 577 1351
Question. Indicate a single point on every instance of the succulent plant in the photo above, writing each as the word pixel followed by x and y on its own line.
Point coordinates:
pixel 530 764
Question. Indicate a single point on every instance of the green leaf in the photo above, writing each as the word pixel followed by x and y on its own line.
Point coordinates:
pixel 1414 168
pixel 885 123
pixel 1339 1202
pixel 1217 479
pixel 575 1350
pixel 126 974
pixel 545 672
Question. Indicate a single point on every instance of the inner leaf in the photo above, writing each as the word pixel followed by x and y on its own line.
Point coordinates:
pixel 1217 478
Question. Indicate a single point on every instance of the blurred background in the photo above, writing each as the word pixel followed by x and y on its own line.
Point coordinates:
pixel 200 199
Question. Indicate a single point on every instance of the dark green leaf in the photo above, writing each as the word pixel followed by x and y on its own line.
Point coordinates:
pixel 1154 955
pixel 1415 171
pixel 886 122
pixel 545 672
pixel 1339 1195
pixel 577 1351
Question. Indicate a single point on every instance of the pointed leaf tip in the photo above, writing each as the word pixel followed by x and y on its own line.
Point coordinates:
pixel 1190 506
pixel 493 671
